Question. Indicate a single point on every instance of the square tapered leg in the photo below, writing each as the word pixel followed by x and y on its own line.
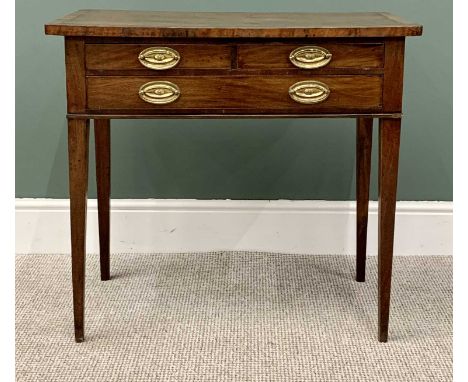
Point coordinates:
pixel 102 148
pixel 78 138
pixel 389 147
pixel 363 167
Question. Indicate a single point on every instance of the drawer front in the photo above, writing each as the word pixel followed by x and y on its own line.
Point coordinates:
pixel 157 57
pixel 258 94
pixel 323 56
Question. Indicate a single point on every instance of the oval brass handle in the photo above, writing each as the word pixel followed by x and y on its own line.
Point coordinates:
pixel 159 58
pixel 309 92
pixel 159 92
pixel 310 57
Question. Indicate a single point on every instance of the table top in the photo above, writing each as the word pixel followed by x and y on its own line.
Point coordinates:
pixel 115 23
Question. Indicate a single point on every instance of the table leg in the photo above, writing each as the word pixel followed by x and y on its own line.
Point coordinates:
pixel 389 146
pixel 363 166
pixel 102 148
pixel 78 138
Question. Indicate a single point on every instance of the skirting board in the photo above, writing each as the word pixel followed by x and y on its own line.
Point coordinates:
pixel 309 227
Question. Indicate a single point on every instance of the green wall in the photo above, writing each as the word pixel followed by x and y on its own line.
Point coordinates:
pixel 235 159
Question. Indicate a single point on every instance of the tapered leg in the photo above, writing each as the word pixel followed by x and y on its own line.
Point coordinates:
pixel 389 146
pixel 102 143
pixel 363 166
pixel 78 135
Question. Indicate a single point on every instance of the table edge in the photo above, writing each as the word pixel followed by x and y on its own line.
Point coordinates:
pixel 332 32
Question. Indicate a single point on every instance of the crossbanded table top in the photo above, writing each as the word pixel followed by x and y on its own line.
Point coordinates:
pixel 117 23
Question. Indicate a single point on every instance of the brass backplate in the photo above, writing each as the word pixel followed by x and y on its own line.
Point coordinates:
pixel 159 58
pixel 310 57
pixel 159 92
pixel 309 92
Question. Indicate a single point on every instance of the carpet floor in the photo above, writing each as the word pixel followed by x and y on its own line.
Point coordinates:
pixel 233 316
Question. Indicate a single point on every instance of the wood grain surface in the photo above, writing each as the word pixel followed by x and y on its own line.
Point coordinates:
pixel 276 56
pixel 125 56
pixel 115 23
pixel 242 92
pixel 393 78
pixel 75 75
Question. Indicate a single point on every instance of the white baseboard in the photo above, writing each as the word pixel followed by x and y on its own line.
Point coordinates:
pixel 313 227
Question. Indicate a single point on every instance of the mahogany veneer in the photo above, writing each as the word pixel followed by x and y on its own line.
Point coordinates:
pixel 270 93
pixel 115 23
pixel 125 56
pixel 134 64
pixel 363 56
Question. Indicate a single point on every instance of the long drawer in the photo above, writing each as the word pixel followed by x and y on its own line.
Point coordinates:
pixel 308 94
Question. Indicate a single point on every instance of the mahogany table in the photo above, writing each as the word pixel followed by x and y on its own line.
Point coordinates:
pixel 133 64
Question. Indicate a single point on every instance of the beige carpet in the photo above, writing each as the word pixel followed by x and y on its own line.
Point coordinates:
pixel 231 316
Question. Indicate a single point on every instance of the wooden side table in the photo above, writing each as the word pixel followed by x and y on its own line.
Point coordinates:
pixel 125 64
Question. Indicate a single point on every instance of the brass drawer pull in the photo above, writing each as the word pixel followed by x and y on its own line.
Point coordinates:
pixel 159 92
pixel 159 58
pixel 310 57
pixel 309 92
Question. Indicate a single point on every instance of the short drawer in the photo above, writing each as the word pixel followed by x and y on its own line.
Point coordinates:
pixel 157 57
pixel 311 56
pixel 259 94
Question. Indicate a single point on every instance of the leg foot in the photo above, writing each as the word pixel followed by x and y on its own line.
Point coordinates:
pixel 79 335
